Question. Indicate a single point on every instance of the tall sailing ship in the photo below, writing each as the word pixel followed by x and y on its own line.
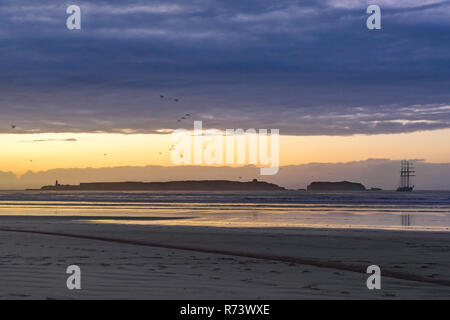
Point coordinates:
pixel 406 174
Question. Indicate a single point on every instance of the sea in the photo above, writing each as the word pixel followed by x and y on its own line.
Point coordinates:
pixel 381 210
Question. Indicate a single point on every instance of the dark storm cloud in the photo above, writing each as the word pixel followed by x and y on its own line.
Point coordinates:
pixel 306 67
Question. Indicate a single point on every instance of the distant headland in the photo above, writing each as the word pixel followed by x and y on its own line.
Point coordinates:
pixel 336 186
pixel 192 185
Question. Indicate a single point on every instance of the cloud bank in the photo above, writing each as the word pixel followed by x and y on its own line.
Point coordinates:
pixel 306 67
pixel 382 173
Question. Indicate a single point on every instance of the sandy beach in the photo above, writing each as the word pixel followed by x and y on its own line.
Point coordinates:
pixel 224 150
pixel 168 261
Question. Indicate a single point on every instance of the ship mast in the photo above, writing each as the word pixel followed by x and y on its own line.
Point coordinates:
pixel 407 171
pixel 402 174
pixel 410 172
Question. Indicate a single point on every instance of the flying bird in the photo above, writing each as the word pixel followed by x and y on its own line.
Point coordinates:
pixel 13 126
pixel 176 100
pixel 161 96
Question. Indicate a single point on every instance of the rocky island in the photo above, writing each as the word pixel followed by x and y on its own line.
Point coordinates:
pixel 336 186
pixel 192 185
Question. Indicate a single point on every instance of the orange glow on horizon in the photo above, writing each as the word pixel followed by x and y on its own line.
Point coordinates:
pixel 38 152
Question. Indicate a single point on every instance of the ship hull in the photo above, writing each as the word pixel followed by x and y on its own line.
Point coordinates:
pixel 405 189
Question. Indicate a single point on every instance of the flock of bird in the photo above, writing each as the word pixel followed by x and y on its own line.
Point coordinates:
pixel 172 147
pixel 184 117
pixel 187 115
pixel 164 97
pixel 176 100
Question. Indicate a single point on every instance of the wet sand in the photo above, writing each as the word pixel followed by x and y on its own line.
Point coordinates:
pixel 158 261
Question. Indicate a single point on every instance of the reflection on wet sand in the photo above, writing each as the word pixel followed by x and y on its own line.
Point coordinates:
pixel 406 220
pixel 241 215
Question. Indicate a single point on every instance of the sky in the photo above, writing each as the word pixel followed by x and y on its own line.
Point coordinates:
pixel 335 90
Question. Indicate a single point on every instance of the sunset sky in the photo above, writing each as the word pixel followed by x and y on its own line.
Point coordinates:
pixel 37 152
pixel 337 91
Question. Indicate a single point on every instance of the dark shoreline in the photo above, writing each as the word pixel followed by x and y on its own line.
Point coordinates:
pixel 191 185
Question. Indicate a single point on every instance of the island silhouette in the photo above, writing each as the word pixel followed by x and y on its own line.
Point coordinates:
pixel 335 186
pixel 189 185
